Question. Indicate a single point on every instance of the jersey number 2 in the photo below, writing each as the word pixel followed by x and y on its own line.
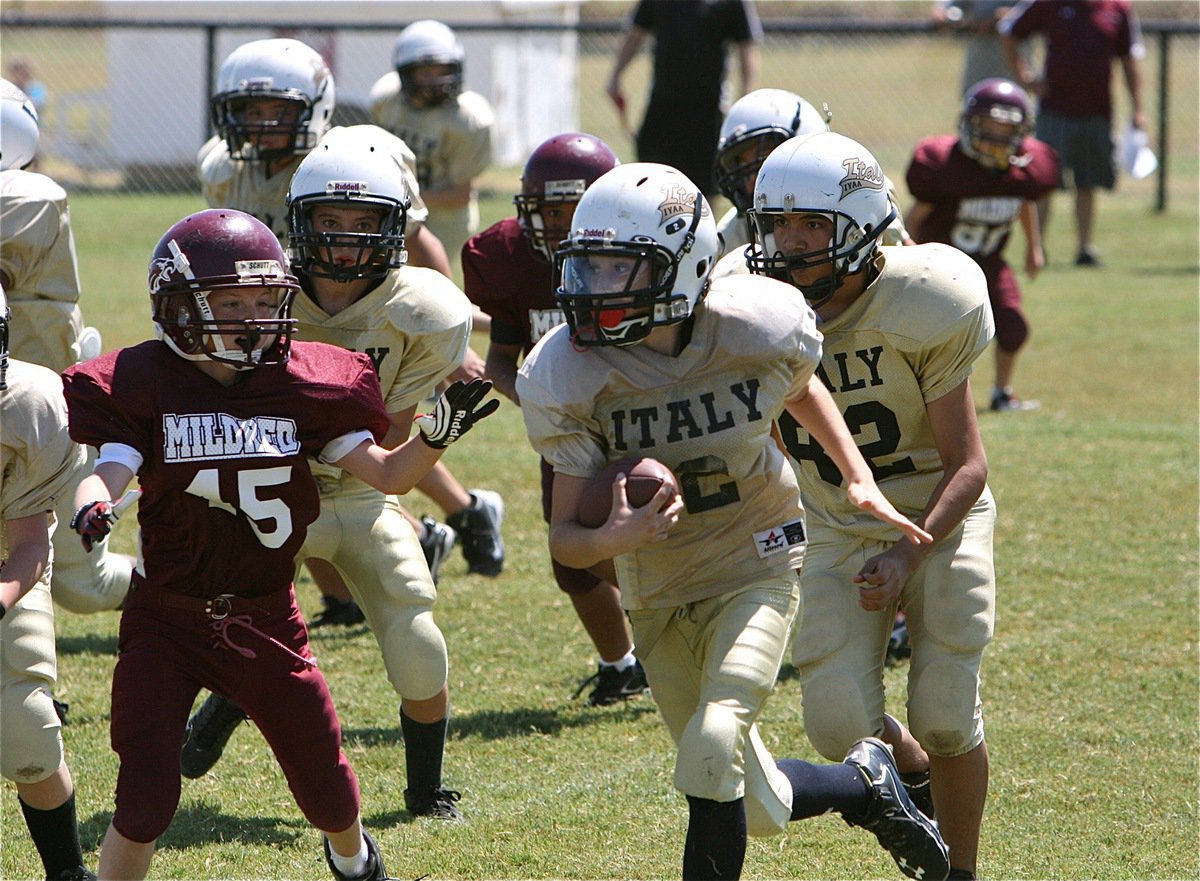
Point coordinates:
pixel 857 416
pixel 258 511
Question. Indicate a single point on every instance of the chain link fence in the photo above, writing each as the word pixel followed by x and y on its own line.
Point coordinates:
pixel 124 107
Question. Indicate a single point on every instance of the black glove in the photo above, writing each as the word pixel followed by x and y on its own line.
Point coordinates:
pixel 456 412
pixel 93 522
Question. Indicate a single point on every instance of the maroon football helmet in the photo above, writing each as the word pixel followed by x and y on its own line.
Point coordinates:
pixel 213 250
pixel 556 173
pixel 996 117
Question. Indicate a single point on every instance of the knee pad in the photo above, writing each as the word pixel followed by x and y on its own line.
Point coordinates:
pixel 1011 328
pixel 31 746
pixel 835 715
pixel 414 653
pixel 704 767
pixel 944 713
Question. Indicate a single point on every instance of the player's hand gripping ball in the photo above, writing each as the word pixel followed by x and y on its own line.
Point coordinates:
pixel 643 477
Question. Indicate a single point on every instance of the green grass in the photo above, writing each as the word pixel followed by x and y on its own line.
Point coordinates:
pixel 1090 688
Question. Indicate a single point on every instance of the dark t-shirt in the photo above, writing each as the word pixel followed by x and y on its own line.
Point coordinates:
pixel 1082 39
pixel 974 207
pixel 690 40
pixel 507 279
pixel 227 494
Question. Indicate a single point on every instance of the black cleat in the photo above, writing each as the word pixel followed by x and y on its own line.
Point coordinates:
pixel 374 870
pixel 342 613
pixel 898 649
pixel 908 835
pixel 1004 401
pixel 478 528
pixel 437 540
pixel 207 732
pixel 79 873
pixel 61 708
pixel 430 802
pixel 613 685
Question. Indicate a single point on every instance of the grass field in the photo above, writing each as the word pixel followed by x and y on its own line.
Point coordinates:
pixel 1090 687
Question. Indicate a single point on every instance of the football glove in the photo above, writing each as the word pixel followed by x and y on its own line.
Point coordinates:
pixel 93 522
pixel 456 411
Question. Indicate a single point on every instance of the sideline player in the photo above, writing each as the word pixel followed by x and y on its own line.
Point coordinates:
pixel 508 273
pixel 969 188
pixel 39 272
pixel 652 359
pixel 218 419
pixel 422 100
pixel 347 208
pixel 40 464
pixel 902 328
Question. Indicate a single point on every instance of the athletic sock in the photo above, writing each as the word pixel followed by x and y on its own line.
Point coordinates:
pixel 621 664
pixel 424 746
pixel 715 847
pixel 55 834
pixel 353 866
pixel 820 789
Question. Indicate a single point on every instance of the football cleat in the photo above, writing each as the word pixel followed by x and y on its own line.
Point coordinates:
pixel 207 732
pixel 613 685
pixel 898 648
pixel 478 528
pixel 1003 401
pixel 917 786
pixel 78 873
pixel 374 870
pixel 342 613
pixel 437 541
pixel 428 801
pixel 909 836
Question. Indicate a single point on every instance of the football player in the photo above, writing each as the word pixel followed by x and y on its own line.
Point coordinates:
pixel 219 419
pixel 756 124
pixel 508 272
pixel 423 101
pixel 39 464
pixel 902 328
pixel 274 102
pixel 654 359
pixel 38 270
pixel 970 187
pixel 347 211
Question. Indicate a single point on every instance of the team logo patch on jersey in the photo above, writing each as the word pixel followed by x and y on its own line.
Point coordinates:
pixel 860 175
pixel 679 200
pixel 779 538
pixel 196 437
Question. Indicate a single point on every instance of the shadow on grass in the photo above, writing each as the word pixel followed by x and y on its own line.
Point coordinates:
pixel 88 644
pixel 204 823
pixel 521 722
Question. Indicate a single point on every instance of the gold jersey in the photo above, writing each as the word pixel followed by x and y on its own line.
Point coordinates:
pixel 37 248
pixel 707 413
pixel 911 338
pixel 244 185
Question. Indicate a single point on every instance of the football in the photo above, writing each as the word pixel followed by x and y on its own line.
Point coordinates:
pixel 643 477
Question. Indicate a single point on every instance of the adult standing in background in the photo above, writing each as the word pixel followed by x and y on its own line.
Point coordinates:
pixel 1075 90
pixel 690 92
pixel 976 20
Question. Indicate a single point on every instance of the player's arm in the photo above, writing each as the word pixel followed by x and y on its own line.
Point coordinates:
pixel 501 368
pixel 1035 257
pixel 94 500
pixel 426 249
pixel 1132 68
pixel 915 220
pixel 627 529
pixel 956 435
pixel 398 470
pixel 815 410
pixel 28 557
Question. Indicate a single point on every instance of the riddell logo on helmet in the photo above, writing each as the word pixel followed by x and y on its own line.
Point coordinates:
pixel 346 186
pixel 860 175
pixel 679 200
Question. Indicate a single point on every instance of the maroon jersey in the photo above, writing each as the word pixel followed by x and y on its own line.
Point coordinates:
pixel 507 279
pixel 1082 39
pixel 227 495
pixel 973 206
